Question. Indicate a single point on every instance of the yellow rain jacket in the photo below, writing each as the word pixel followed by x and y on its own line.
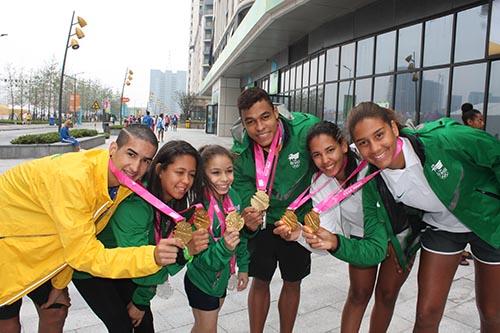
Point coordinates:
pixel 50 212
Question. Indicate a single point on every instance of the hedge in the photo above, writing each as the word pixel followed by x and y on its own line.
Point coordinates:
pixel 51 137
pixel 18 122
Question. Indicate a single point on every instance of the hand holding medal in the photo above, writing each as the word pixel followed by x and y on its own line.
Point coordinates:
pixel 201 219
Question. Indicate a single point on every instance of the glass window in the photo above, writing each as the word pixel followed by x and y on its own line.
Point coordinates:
pixel 312 101
pixel 282 82
pixel 434 94
pixel 347 61
pixel 313 75
pixel 382 92
pixel 332 64
pixel 409 46
pixel 363 91
pixel 305 100
pixel 298 80
pixel 292 78
pixel 287 80
pixel 305 74
pixel 330 102
pixel 468 86
pixel 407 89
pixel 321 68
pixel 345 101
pixel 494 41
pixel 471 33
pixel 319 104
pixel 292 101
pixel 364 60
pixel 438 41
pixel 386 49
pixel 493 115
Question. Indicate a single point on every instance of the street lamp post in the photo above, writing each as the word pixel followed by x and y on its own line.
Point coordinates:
pixel 126 81
pixel 73 43
pixel 410 59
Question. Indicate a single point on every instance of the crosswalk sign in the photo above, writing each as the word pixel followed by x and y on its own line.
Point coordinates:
pixel 96 105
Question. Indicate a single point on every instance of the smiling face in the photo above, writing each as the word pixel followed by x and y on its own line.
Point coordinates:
pixel 376 141
pixel 328 155
pixel 219 172
pixel 261 123
pixel 133 158
pixel 178 177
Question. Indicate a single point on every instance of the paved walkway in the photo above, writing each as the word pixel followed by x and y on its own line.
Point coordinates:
pixel 323 293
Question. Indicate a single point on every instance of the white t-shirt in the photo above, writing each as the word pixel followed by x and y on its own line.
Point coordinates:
pixel 410 187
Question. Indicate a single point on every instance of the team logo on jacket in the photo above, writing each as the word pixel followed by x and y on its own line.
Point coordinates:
pixel 294 160
pixel 440 169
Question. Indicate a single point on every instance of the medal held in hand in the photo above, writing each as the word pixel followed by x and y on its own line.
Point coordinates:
pixel 234 221
pixel 183 231
pixel 201 219
pixel 260 201
pixel 312 220
pixel 290 219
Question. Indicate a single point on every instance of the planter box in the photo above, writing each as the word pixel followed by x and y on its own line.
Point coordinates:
pixel 11 151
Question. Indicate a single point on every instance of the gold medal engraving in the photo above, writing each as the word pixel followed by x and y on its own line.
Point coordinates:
pixel 234 221
pixel 201 219
pixel 290 219
pixel 312 220
pixel 260 201
pixel 183 231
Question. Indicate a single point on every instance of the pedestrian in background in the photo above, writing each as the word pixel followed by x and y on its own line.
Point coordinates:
pixel 66 137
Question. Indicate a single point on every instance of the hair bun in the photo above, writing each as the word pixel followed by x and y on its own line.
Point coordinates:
pixel 466 107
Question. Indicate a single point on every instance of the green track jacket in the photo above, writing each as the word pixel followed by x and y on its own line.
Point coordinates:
pixel 210 269
pixel 293 172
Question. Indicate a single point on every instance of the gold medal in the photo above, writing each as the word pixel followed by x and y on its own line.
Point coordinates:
pixel 201 219
pixel 234 221
pixel 183 231
pixel 312 220
pixel 290 219
pixel 260 200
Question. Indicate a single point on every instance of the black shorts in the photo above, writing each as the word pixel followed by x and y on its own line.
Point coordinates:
pixel 450 243
pixel 39 296
pixel 198 299
pixel 267 250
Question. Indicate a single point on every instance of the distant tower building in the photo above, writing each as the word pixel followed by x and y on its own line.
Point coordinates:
pixel 162 91
pixel 200 42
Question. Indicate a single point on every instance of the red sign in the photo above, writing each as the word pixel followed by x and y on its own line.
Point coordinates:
pixel 125 99
pixel 74 102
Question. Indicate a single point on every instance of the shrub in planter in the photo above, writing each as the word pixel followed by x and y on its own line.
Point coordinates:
pixel 51 137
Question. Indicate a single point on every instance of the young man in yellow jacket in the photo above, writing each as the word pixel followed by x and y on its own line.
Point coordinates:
pixel 51 210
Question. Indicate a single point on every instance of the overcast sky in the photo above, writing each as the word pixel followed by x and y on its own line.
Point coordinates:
pixel 141 35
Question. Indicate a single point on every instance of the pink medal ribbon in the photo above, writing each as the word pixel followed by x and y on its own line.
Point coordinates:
pixel 263 170
pixel 339 195
pixel 228 207
pixel 146 195
pixel 304 196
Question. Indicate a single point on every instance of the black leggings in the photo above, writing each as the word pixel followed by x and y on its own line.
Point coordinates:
pixel 108 298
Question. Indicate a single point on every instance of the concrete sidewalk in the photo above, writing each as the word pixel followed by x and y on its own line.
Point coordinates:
pixel 323 293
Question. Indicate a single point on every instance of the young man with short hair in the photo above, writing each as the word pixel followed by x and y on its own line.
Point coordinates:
pixel 269 135
pixel 52 208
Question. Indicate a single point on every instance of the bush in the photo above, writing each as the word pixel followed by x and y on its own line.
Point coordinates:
pixel 116 127
pixel 51 137
pixel 18 122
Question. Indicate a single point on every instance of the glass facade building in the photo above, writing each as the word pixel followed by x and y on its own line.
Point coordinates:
pixel 425 70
